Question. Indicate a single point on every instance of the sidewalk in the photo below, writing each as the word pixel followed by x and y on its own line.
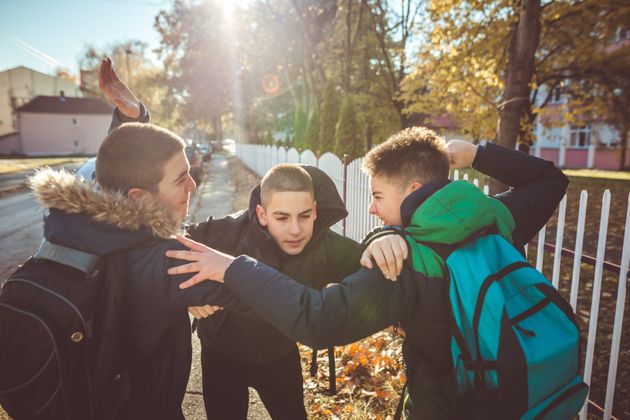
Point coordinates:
pixel 214 197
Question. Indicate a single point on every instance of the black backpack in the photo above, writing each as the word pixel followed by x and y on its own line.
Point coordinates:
pixel 59 329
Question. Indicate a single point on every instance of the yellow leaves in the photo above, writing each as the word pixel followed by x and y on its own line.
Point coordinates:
pixel 369 377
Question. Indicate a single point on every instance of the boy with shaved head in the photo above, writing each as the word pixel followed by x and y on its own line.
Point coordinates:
pixel 287 225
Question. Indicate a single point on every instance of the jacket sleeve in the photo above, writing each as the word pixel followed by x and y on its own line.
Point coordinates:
pixel 222 234
pixel 537 186
pixel 165 288
pixel 360 305
pixel 119 118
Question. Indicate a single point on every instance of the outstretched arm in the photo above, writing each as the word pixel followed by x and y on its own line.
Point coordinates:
pixel 360 305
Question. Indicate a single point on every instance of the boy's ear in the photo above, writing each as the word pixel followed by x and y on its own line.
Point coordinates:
pixel 262 217
pixel 135 193
pixel 415 185
pixel 314 210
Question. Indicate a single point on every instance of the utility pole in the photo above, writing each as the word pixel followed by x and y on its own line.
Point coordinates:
pixel 127 54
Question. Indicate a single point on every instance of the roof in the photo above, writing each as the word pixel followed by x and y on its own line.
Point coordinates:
pixel 433 121
pixel 66 105
pixel 7 135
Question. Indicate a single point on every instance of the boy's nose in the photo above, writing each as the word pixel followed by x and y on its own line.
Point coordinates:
pixel 191 184
pixel 294 227
pixel 372 208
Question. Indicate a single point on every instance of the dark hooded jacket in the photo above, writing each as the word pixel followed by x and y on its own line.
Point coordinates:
pixel 328 257
pixel 155 330
pixel 364 303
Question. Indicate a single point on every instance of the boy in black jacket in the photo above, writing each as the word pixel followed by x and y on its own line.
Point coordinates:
pixel 287 225
pixel 145 187
pixel 410 189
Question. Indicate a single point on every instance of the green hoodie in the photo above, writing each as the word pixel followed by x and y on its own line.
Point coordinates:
pixel 449 216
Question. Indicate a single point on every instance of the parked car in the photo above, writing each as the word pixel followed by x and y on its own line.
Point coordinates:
pixel 206 151
pixel 87 170
pixel 195 162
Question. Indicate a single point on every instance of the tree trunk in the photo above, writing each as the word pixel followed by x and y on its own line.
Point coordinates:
pixel 520 67
pixel 625 130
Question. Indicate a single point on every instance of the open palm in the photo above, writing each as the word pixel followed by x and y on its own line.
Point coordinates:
pixel 116 91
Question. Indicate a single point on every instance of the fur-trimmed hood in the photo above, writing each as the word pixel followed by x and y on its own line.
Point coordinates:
pixel 101 221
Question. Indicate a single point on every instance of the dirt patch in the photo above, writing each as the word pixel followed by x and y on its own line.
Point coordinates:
pixel 244 179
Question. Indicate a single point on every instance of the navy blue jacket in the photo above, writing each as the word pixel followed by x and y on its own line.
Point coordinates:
pixel 156 333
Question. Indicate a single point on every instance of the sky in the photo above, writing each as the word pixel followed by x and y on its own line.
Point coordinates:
pixel 46 34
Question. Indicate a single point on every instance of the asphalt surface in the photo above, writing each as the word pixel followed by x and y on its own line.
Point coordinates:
pixel 213 198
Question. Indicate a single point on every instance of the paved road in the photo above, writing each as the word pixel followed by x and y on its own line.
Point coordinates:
pixel 21 232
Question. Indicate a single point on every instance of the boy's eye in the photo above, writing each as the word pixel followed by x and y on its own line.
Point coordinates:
pixel 281 219
pixel 305 216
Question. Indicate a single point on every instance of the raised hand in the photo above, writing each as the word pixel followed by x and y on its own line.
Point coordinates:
pixel 461 154
pixel 208 263
pixel 116 91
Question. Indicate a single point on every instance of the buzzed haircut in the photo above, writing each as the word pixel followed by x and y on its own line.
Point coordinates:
pixel 285 177
pixel 413 154
pixel 133 156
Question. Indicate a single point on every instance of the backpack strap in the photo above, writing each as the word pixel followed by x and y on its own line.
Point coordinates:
pixel 332 377
pixel 401 403
pixel 445 250
pixel 71 257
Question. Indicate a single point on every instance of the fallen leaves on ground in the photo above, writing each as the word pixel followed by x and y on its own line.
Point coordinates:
pixel 370 377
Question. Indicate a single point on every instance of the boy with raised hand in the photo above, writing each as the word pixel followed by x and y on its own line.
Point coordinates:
pixel 287 225
pixel 411 190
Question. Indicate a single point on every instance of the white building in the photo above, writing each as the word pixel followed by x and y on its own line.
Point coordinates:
pixel 58 125
pixel 19 85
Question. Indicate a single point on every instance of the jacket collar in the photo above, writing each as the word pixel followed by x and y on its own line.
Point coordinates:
pixel 416 198
pixel 69 194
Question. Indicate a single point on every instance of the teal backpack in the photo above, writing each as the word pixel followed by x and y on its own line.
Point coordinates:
pixel 515 341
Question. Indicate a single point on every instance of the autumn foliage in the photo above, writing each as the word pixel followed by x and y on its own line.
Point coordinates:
pixel 370 377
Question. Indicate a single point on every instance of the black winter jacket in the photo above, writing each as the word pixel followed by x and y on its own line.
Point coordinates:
pixel 328 257
pixel 365 302
pixel 156 335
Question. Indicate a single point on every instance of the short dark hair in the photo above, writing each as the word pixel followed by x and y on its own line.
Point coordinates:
pixel 285 177
pixel 413 154
pixel 133 156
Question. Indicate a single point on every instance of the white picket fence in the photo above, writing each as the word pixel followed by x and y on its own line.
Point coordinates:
pixel 353 186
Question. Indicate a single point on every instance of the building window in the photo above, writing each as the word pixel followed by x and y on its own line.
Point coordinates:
pixel 76 143
pixel 580 136
pixel 556 95
pixel 74 121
